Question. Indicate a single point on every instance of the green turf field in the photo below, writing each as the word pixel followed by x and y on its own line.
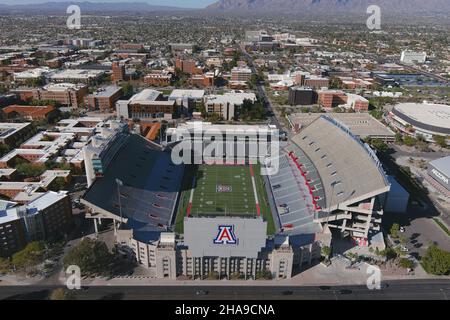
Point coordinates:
pixel 223 190
pixel 215 203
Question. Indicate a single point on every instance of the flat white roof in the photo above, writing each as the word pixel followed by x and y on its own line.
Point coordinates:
pixel 182 94
pixel 62 86
pixel 8 129
pixel 145 95
pixel 77 74
pixel 231 98
pixel 431 114
pixel 32 73
pixel 47 200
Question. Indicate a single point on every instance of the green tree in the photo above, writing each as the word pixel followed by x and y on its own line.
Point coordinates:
pixel 436 261
pixel 378 145
pixel 335 83
pixel 5 265
pixel 406 263
pixel 409 141
pixel 30 170
pixel 326 251
pixel 398 138
pixel 264 275
pixel 31 255
pixel 127 90
pixel 395 229
pixel 58 184
pixel 92 256
pixel 440 141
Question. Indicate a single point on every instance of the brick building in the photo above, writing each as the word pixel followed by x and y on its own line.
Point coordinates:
pixel 331 98
pixel 103 99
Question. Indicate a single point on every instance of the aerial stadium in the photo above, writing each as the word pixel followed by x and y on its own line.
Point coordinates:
pixel 425 119
pixel 226 219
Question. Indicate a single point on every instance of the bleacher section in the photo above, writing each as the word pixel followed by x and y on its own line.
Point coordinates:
pixel 293 199
pixel 150 187
pixel 348 169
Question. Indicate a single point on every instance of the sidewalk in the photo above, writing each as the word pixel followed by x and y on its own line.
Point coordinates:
pixel 319 275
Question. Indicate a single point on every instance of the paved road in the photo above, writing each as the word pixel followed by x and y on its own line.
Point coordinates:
pixel 262 91
pixel 410 290
pixel 399 152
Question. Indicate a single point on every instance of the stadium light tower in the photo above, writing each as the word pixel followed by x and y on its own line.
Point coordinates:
pixel 119 184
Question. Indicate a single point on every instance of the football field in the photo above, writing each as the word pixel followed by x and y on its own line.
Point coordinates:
pixel 223 190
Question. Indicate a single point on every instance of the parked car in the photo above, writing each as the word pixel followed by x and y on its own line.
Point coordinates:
pixel 201 292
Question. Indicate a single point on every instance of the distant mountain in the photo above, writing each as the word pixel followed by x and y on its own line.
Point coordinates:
pixel 89 7
pixel 329 6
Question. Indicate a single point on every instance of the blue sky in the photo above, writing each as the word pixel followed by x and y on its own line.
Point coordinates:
pixel 176 3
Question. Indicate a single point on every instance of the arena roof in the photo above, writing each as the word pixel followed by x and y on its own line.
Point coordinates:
pixel 433 117
pixel 348 169
pixel 443 165
pixel 150 186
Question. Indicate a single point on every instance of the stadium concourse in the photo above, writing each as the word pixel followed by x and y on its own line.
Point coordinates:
pixel 229 221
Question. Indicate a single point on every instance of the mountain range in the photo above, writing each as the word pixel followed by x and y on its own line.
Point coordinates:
pixel 87 6
pixel 292 7
pixel 327 6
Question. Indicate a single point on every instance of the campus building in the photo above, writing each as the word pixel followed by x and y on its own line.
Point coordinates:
pixel 147 104
pixel 66 94
pixel 301 96
pixel 29 113
pixel 424 119
pixel 228 104
pixel 241 74
pixel 410 57
pixel 439 175
pixel 12 134
pixel 118 72
pixel 46 217
pixel 103 99
pixel 158 78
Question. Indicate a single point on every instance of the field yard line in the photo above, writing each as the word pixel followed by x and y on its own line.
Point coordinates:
pixel 258 209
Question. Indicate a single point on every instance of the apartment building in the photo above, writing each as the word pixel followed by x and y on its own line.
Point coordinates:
pixel 241 74
pixel 13 134
pixel 28 113
pixel 158 79
pixel 12 230
pixel 331 98
pixel 118 72
pixel 188 66
pixel 203 80
pixel 145 105
pixel 46 217
pixel 227 105
pixel 66 94
pixel 77 76
pixel 103 99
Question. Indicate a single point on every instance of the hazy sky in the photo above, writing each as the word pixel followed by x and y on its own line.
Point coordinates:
pixel 176 3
